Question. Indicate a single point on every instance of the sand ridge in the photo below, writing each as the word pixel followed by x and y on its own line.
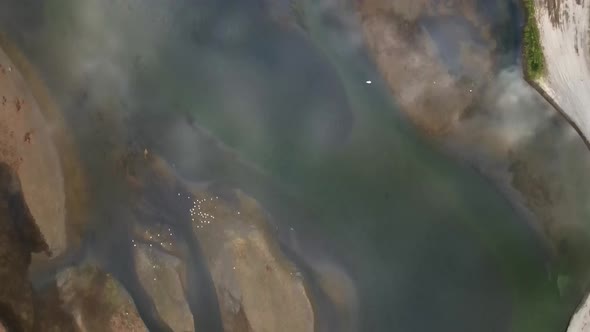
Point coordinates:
pixel 26 145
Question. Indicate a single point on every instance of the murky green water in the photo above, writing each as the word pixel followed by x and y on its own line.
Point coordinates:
pixel 430 243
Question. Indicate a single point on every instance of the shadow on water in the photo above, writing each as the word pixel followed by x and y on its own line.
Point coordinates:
pixel 429 244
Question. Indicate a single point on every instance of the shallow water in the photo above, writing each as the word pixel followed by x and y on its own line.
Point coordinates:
pixel 430 243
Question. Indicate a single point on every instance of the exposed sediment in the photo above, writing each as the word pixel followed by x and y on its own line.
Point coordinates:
pixel 27 146
pixel 19 238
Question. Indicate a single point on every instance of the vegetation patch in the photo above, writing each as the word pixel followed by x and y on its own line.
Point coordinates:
pixel 534 60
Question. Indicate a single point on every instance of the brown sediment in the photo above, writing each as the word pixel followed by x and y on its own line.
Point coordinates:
pixel 431 98
pixel 19 238
pixel 87 299
pixel 76 197
pixel 49 313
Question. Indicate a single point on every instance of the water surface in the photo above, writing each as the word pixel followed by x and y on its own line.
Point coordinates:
pixel 290 120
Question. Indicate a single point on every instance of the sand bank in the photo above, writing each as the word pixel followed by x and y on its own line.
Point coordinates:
pixel 26 144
